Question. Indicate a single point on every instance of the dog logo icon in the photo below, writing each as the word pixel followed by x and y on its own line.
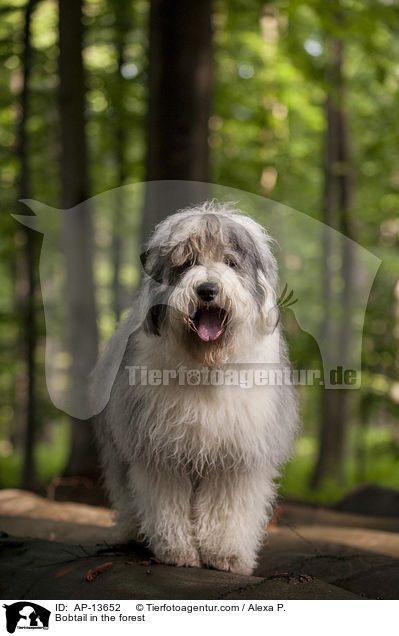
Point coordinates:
pixel 26 615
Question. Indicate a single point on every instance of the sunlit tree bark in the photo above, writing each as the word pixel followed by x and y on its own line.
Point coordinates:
pixel 26 408
pixel 338 192
pixel 77 229
pixel 122 12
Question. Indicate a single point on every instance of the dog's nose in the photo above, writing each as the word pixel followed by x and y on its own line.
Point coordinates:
pixel 207 291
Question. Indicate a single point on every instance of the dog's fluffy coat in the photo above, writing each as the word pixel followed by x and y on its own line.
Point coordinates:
pixel 190 469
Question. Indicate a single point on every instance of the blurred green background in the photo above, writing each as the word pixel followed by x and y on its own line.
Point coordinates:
pixel 290 80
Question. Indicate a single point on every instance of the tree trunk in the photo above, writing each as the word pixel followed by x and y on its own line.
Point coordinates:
pixel 26 278
pixel 180 81
pixel 77 232
pixel 122 26
pixel 336 214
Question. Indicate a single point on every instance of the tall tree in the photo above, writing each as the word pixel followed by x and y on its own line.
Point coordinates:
pixel 26 263
pixel 122 26
pixel 179 85
pixel 337 204
pixel 77 230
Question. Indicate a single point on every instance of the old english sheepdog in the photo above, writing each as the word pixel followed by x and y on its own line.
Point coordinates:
pixel 190 465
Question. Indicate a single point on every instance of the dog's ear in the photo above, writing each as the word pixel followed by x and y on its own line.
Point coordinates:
pixel 153 264
pixel 154 319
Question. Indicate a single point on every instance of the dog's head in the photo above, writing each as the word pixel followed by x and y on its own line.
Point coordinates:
pixel 210 282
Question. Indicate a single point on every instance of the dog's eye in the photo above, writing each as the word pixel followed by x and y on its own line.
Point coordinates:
pixel 178 271
pixel 189 262
pixel 229 261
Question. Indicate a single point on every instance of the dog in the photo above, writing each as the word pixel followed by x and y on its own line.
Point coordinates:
pixel 190 466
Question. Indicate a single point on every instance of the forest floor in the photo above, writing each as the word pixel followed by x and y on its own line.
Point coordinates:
pixel 54 550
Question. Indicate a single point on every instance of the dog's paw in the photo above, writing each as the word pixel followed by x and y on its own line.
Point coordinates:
pixel 188 563
pixel 234 564
pixel 179 558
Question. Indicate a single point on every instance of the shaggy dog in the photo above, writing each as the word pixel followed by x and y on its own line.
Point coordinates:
pixel 190 465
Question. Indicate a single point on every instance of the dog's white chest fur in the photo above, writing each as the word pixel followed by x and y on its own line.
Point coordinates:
pixel 225 421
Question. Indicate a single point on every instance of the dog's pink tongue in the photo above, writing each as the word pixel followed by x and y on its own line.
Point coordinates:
pixel 209 326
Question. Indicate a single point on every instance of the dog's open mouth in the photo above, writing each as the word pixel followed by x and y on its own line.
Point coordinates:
pixel 208 322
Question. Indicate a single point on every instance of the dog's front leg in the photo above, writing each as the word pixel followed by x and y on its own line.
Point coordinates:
pixel 163 509
pixel 231 513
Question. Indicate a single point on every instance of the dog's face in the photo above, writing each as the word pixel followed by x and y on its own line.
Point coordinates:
pixel 211 283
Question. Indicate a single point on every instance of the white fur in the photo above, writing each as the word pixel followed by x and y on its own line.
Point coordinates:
pixel 191 469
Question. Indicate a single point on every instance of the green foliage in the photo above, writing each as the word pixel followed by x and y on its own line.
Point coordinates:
pixel 377 463
pixel 266 135
pixel 51 455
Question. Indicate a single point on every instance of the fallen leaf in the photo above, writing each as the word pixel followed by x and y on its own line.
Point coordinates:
pixel 277 513
pixel 93 573
pixel 68 569
pixel 306 578
pixel 149 561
